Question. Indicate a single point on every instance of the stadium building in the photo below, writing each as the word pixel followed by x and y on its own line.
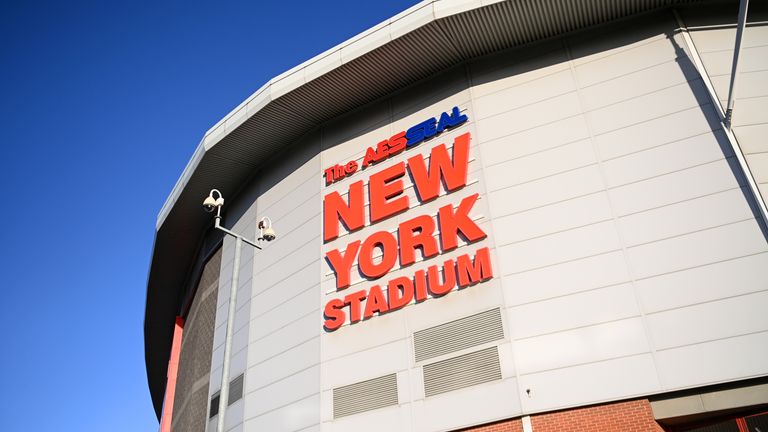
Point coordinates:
pixel 490 216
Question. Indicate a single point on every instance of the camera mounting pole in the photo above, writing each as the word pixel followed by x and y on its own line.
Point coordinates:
pixel 266 233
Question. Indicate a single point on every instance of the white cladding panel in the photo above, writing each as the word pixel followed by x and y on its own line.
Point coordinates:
pixel 715 45
pixel 626 258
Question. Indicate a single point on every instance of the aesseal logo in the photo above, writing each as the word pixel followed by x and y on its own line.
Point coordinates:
pixel 414 136
pixel 431 235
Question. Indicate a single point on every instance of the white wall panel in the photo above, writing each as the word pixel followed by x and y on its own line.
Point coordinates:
pixel 751 138
pixel 699 248
pixel 530 141
pixel 759 164
pixel 283 364
pixel 719 62
pixel 292 285
pixel 661 130
pixel 725 359
pixel 524 94
pixel 722 38
pixel 290 335
pixel 517 120
pixel 662 102
pixel 557 217
pixel 381 420
pixel 284 392
pixel 566 278
pixel 377 361
pixel 449 410
pixel 634 83
pixel 673 188
pixel 702 284
pixel 708 211
pixel 656 51
pixel 756 82
pixel 293 417
pixel 581 345
pixel 282 315
pixel 539 165
pixel 573 311
pixel 560 247
pixel 715 45
pixel 752 110
pixel 234 420
pixel 665 159
pixel 709 321
pixel 594 382
pixel 560 187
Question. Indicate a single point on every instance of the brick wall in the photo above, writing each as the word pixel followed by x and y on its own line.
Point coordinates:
pixel 627 416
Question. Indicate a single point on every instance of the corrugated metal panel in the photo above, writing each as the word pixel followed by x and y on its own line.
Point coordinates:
pixel 365 396
pixel 463 371
pixel 235 389
pixel 458 335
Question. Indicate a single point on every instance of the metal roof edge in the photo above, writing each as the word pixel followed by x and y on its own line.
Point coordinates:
pixel 280 84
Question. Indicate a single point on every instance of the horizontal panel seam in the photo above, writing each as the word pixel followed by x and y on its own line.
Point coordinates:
pixel 713 340
pixel 708 301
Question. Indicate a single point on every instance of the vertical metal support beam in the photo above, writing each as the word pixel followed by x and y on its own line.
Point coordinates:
pixel 744 4
pixel 224 392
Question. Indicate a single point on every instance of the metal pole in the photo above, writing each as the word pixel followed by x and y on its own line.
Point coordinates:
pixel 224 392
pixel 735 68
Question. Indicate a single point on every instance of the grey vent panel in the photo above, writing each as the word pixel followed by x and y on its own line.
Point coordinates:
pixel 458 335
pixel 365 396
pixel 463 371
pixel 235 390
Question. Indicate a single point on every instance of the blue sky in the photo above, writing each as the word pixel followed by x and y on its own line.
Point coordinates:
pixel 101 106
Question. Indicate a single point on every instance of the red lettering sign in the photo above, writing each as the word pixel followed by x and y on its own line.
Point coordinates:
pixel 429 235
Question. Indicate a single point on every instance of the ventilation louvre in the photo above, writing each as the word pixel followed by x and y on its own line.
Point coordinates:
pixel 235 390
pixel 365 396
pixel 458 335
pixel 462 371
pixel 214 406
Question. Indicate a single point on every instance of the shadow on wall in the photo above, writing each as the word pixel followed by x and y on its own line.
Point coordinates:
pixel 715 123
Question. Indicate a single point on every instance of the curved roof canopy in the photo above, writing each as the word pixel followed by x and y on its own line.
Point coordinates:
pixel 421 41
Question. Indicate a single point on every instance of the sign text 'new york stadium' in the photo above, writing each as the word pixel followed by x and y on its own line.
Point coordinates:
pixel 432 234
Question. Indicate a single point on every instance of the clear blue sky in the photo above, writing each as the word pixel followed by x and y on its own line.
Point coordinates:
pixel 101 106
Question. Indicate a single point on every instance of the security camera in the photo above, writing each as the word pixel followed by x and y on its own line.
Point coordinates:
pixel 210 203
pixel 268 234
pixel 265 229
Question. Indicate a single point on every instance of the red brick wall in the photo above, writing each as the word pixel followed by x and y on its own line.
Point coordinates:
pixel 627 416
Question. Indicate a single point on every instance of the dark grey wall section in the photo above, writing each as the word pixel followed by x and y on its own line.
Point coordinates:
pixel 189 411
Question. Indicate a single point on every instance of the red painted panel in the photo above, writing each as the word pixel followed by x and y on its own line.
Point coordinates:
pixel 173 371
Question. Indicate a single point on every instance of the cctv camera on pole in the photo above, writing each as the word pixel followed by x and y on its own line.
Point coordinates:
pixel 215 201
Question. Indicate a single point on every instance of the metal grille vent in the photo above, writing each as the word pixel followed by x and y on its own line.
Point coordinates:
pixel 365 396
pixel 235 390
pixel 214 405
pixel 457 335
pixel 463 371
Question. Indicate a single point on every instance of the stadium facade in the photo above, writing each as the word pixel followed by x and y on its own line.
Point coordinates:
pixel 491 216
